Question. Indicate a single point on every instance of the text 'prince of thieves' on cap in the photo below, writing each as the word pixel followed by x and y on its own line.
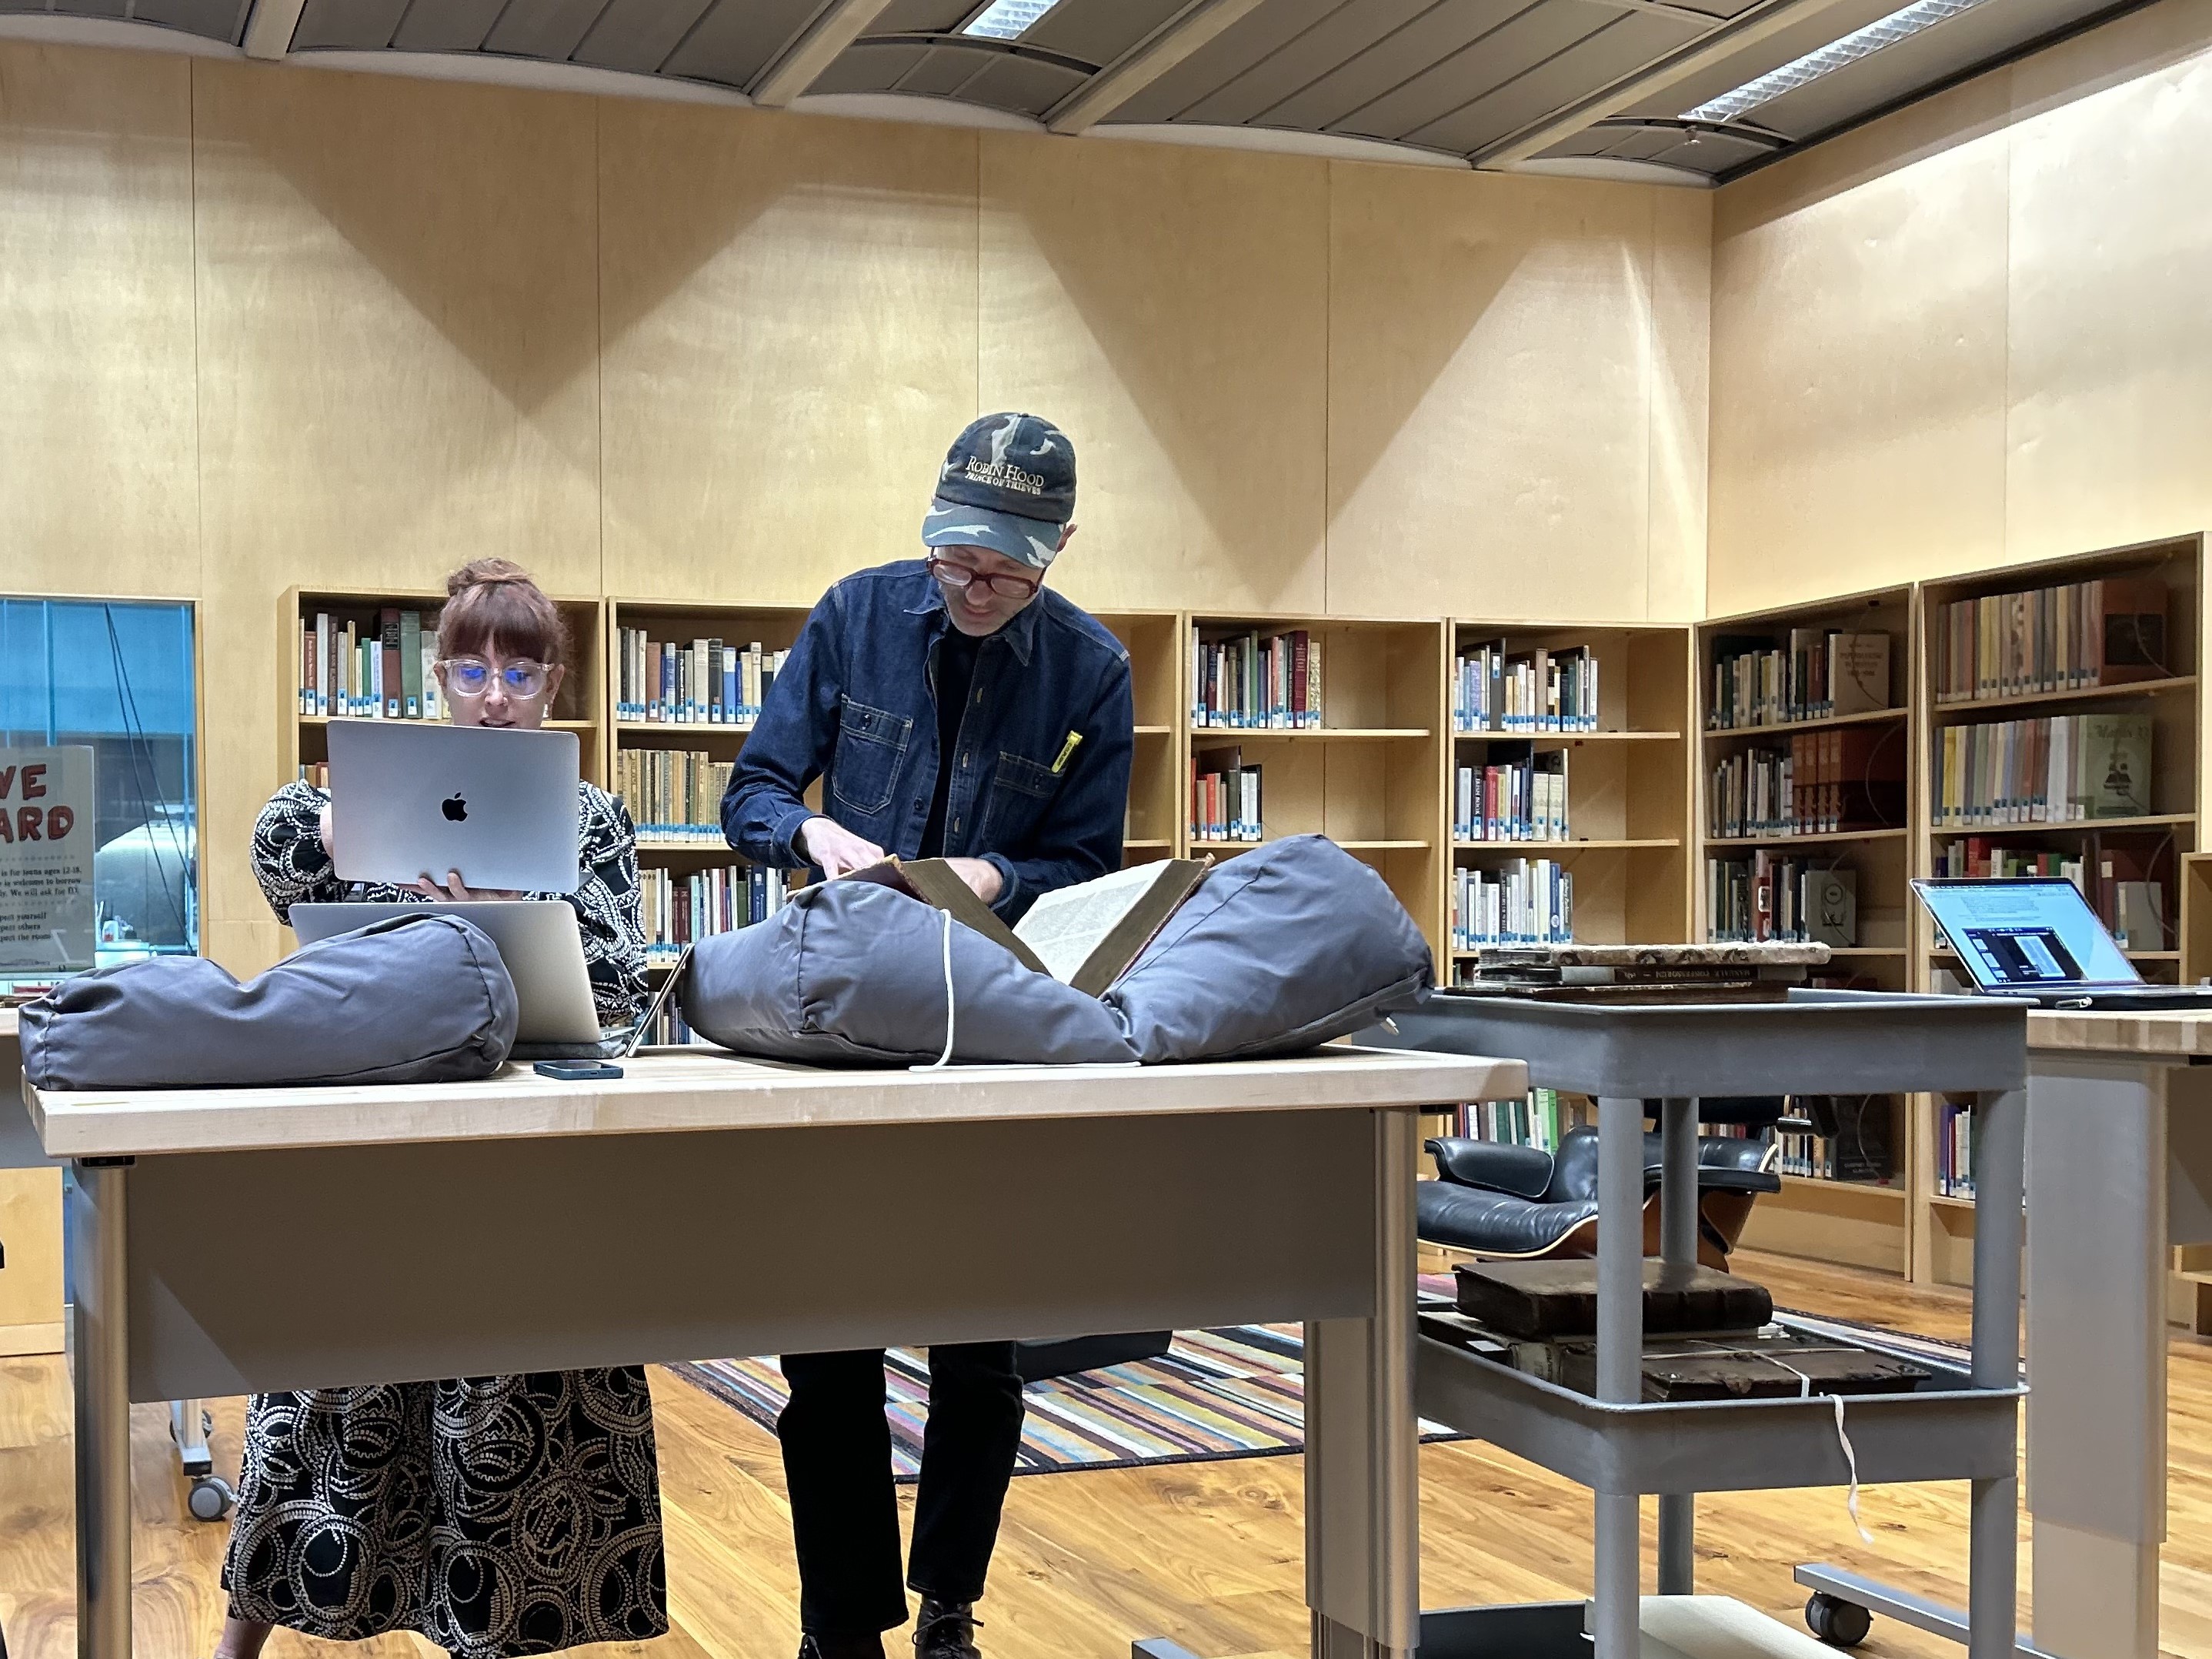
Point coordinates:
pixel 1008 484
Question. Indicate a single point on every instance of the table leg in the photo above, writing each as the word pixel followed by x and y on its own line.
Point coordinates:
pixel 1993 1570
pixel 1677 1242
pixel 1619 1361
pixel 2096 1347
pixel 1362 1462
pixel 102 1386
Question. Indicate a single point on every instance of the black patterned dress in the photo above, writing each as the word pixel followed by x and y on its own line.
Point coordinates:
pixel 495 1515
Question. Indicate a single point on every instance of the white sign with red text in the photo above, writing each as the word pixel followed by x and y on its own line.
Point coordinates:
pixel 47 922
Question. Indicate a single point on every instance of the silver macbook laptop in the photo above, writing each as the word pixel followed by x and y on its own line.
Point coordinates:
pixel 499 806
pixel 2036 936
pixel 538 940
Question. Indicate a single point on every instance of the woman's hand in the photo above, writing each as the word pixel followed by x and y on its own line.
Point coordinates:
pixel 835 849
pixel 455 892
pixel 322 827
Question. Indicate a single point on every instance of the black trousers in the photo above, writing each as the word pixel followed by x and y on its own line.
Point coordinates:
pixel 844 1511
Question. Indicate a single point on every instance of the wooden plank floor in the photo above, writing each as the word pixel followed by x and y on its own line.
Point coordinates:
pixel 1210 1554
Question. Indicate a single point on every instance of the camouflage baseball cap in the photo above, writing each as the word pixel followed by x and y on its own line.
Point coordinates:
pixel 1008 484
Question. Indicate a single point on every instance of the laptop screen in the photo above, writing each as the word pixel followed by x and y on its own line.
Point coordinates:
pixel 2015 934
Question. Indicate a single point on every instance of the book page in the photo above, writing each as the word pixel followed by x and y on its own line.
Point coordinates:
pixel 1064 926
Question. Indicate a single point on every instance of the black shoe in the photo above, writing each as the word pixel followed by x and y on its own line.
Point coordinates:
pixel 947 1630
pixel 811 1646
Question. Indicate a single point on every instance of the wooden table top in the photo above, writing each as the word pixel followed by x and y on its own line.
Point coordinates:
pixel 701 1089
pixel 2085 1031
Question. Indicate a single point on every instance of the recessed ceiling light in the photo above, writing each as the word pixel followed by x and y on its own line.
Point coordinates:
pixel 1826 60
pixel 1003 20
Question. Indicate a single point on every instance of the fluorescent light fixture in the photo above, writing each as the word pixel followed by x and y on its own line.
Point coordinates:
pixel 1899 25
pixel 1004 19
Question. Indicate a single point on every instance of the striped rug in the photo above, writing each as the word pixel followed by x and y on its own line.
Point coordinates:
pixel 1238 1391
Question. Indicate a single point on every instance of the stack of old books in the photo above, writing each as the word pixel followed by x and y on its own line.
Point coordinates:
pixel 1738 972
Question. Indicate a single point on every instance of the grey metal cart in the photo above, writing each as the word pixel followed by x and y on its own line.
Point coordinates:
pixel 1961 1426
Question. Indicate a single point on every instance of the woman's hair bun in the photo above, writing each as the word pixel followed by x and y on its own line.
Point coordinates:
pixel 486 573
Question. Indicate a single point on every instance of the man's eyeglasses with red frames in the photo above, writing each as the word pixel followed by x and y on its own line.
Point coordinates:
pixel 959 575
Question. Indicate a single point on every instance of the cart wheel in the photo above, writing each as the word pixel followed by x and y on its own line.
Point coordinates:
pixel 1838 1623
pixel 211 1498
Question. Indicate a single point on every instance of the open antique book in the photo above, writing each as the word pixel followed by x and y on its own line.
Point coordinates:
pixel 1086 935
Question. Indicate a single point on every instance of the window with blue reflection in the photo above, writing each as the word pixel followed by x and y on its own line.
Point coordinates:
pixel 116 677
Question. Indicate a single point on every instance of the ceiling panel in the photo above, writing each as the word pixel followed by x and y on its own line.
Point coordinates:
pixel 1615 49
pixel 550 29
pixel 1022 85
pixel 1388 61
pixel 1234 52
pixel 446 24
pixel 735 41
pixel 870 68
pixel 1534 35
pixel 638 35
pixel 1100 31
pixel 920 17
pixel 359 24
pixel 943 73
pixel 217 19
pixel 83 8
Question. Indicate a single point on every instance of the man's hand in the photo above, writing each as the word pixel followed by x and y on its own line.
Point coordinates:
pixel 455 892
pixel 835 849
pixel 982 875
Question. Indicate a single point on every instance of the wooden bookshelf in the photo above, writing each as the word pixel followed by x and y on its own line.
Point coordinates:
pixel 1370 776
pixel 1158 773
pixel 303 738
pixel 1628 781
pixel 1944 1223
pixel 1865 1225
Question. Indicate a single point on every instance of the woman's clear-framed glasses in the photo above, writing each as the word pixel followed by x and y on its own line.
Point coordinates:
pixel 959 575
pixel 471 677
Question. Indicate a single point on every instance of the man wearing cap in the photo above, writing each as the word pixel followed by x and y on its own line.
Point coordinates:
pixel 955 707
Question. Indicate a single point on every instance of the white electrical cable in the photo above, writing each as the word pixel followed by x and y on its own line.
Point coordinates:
pixel 945 1059
pixel 1850 1457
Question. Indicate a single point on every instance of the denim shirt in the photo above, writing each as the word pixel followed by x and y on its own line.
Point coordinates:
pixel 856 703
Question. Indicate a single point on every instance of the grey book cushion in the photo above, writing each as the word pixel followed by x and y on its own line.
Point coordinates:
pixel 410 999
pixel 851 974
pixel 1278 951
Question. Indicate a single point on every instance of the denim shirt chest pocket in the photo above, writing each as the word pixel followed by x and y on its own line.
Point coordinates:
pixel 871 745
pixel 1021 789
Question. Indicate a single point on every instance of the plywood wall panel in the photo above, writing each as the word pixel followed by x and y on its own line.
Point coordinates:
pixel 1489 394
pixel 97 482
pixel 789 341
pixel 1681 351
pixel 397 370
pixel 1858 361
pixel 1169 308
pixel 2111 362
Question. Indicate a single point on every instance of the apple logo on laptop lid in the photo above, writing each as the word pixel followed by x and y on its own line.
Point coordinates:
pixel 455 809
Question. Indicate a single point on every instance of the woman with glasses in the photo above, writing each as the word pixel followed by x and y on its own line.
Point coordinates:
pixel 494 1514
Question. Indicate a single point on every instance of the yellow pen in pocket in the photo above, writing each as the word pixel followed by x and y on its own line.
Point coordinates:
pixel 1067 753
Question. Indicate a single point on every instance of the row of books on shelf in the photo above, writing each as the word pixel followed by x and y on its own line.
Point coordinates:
pixel 1954 1149
pixel 1770 896
pixel 1522 798
pixel 1824 782
pixel 1224 797
pixel 351 670
pixel 1519 902
pixel 669 1027
pixel 673 794
pixel 2116 873
pixel 1243 681
pixel 2065 769
pixel 1816 674
pixel 2072 637
pixel 1495 690
pixel 1538 1118
pixel 683 907
pixel 699 683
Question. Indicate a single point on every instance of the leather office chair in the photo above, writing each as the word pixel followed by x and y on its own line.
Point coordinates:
pixel 1520 1203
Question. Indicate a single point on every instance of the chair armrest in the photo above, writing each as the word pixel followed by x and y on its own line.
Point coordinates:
pixel 1723 1180
pixel 1524 1171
